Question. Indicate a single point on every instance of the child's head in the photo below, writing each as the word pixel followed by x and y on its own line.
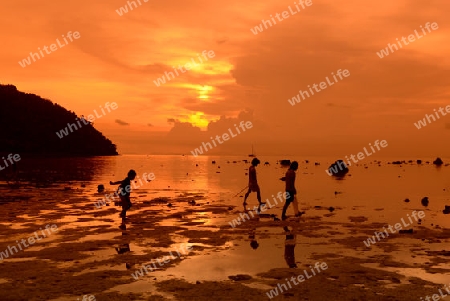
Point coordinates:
pixel 255 161
pixel 294 165
pixel 131 174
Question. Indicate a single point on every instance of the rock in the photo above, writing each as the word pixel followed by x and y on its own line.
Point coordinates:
pixel 285 162
pixel 316 163
pixel 100 188
pixel 425 201
pixel 397 162
pixel 338 169
pixel 128 266
pixel 409 231
pixel 213 162
pixel 406 200
pixel 266 163
pixel 240 277
pixel 419 161
pixel 331 209
pixel 438 162
pixel 446 210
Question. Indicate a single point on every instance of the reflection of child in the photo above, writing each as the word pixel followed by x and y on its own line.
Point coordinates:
pixel 124 192
pixel 289 248
pixel 254 244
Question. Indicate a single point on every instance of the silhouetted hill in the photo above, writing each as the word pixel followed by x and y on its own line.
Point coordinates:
pixel 28 124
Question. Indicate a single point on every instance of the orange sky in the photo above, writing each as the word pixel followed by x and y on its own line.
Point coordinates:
pixel 251 77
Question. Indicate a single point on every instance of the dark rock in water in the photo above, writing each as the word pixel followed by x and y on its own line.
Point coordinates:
pixel 419 161
pixel 100 188
pixel 397 162
pixel 438 162
pixel 425 201
pixel 446 210
pixel 406 200
pixel 316 163
pixel 409 231
pixel 128 266
pixel 338 169
pixel 306 161
pixel 331 209
pixel 285 162
pixel 266 163
pixel 240 277
pixel 123 249
pixel 213 162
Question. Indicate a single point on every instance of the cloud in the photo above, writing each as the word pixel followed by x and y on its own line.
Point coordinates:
pixel 118 121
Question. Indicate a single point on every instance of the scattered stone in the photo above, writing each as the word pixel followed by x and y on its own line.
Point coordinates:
pixel 285 162
pixel 446 210
pixel 425 201
pixel 407 201
pixel 331 209
pixel 408 231
pixel 240 277
pixel 100 188
pixel 316 163
pixel 419 162
pixel 213 162
pixel 438 162
pixel 338 169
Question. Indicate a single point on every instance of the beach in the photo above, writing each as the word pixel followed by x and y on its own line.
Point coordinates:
pixel 189 206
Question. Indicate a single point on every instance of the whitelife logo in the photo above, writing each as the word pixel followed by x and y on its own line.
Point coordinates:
pixel 423 122
pixel 373 240
pixel 162 80
pixel 284 15
pixel 65 132
pixel 334 169
pixel 225 137
pixel 53 47
pixel 411 38
pixel 323 85
pixel 124 9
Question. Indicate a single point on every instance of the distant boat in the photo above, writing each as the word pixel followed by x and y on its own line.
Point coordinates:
pixel 252 154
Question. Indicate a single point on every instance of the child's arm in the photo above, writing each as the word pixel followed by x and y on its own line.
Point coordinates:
pixel 115 183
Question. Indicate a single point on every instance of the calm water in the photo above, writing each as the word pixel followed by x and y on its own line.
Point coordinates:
pixel 368 187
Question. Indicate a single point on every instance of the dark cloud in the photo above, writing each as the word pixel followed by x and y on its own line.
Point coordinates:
pixel 118 121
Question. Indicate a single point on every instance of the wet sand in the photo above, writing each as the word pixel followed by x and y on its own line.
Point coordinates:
pixel 88 254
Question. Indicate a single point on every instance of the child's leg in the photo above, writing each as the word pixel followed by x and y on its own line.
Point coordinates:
pixel 295 204
pixel 286 205
pixel 247 194
pixel 258 196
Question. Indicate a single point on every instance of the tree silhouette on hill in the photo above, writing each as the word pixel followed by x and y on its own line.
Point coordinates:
pixel 28 124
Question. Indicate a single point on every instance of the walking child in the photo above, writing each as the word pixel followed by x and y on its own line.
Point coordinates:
pixel 124 190
pixel 253 182
pixel 290 190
